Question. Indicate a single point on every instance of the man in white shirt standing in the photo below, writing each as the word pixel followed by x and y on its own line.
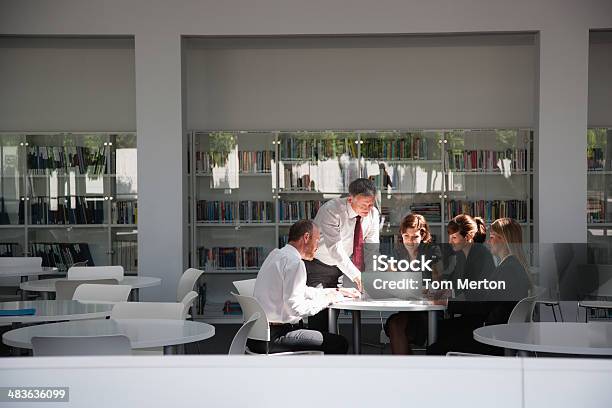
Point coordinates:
pixel 281 290
pixel 347 225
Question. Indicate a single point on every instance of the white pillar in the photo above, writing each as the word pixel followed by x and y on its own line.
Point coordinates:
pixel 561 135
pixel 160 161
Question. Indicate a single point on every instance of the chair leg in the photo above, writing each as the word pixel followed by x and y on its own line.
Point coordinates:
pixel 561 312
pixel 553 310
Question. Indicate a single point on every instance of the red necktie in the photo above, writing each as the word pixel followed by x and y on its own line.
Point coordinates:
pixel 358 244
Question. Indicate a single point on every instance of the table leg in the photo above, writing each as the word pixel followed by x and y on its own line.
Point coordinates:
pixel 332 325
pixel 522 353
pixel 356 331
pixel 44 295
pixel 169 350
pixel 135 295
pixel 23 292
pixel 432 326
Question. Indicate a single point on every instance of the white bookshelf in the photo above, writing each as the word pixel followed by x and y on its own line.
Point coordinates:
pixel 27 180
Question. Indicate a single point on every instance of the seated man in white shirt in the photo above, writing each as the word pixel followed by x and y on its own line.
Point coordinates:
pixel 281 290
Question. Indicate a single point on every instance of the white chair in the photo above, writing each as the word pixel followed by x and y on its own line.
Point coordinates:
pixel 238 346
pixel 245 287
pixel 15 264
pixel 187 283
pixel 260 329
pixel 64 289
pixel 96 272
pixel 523 311
pixel 20 262
pixel 188 302
pixel 148 310
pixel 88 292
pixel 81 346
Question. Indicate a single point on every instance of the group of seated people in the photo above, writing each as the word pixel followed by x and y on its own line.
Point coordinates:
pixel 286 290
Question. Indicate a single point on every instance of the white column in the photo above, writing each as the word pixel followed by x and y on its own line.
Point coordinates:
pixel 160 161
pixel 561 181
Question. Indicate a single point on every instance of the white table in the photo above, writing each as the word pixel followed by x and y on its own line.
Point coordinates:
pixel 47 286
pixel 55 310
pixel 594 338
pixel 143 333
pixel 387 305
pixel 593 304
pixel 24 273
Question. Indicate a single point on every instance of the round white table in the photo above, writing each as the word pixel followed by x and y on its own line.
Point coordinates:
pixel 388 305
pixel 55 310
pixel 47 286
pixel 143 333
pixel 24 273
pixel 594 338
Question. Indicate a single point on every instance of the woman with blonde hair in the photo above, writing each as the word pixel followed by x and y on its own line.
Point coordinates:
pixel 506 242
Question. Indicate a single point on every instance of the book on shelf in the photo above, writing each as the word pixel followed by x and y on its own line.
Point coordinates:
pixel 62 255
pixel 231 258
pixel 43 159
pixel 255 161
pixel 231 308
pixel 9 249
pixel 596 208
pixel 489 210
pixel 124 212
pixel 315 149
pixel 596 159
pixel 408 147
pixel 230 211
pixel 67 210
pixel 431 211
pixel 509 160
pixel 292 211
pixel 259 161
pixel 125 253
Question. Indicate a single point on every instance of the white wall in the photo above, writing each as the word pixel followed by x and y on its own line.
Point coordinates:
pixel 362 83
pixel 158 26
pixel 365 381
pixel 67 84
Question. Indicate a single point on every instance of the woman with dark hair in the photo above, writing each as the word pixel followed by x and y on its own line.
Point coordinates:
pixel 466 235
pixel 404 328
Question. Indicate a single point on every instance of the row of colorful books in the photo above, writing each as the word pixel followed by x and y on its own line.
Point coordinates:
pixel 489 210
pixel 124 212
pixel 248 161
pixel 596 207
pixel 291 211
pixel 67 210
pixel 431 211
pixel 309 148
pixel 230 211
pixel 408 147
pixel 41 159
pixel 231 257
pixel 488 160
pixel 62 255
